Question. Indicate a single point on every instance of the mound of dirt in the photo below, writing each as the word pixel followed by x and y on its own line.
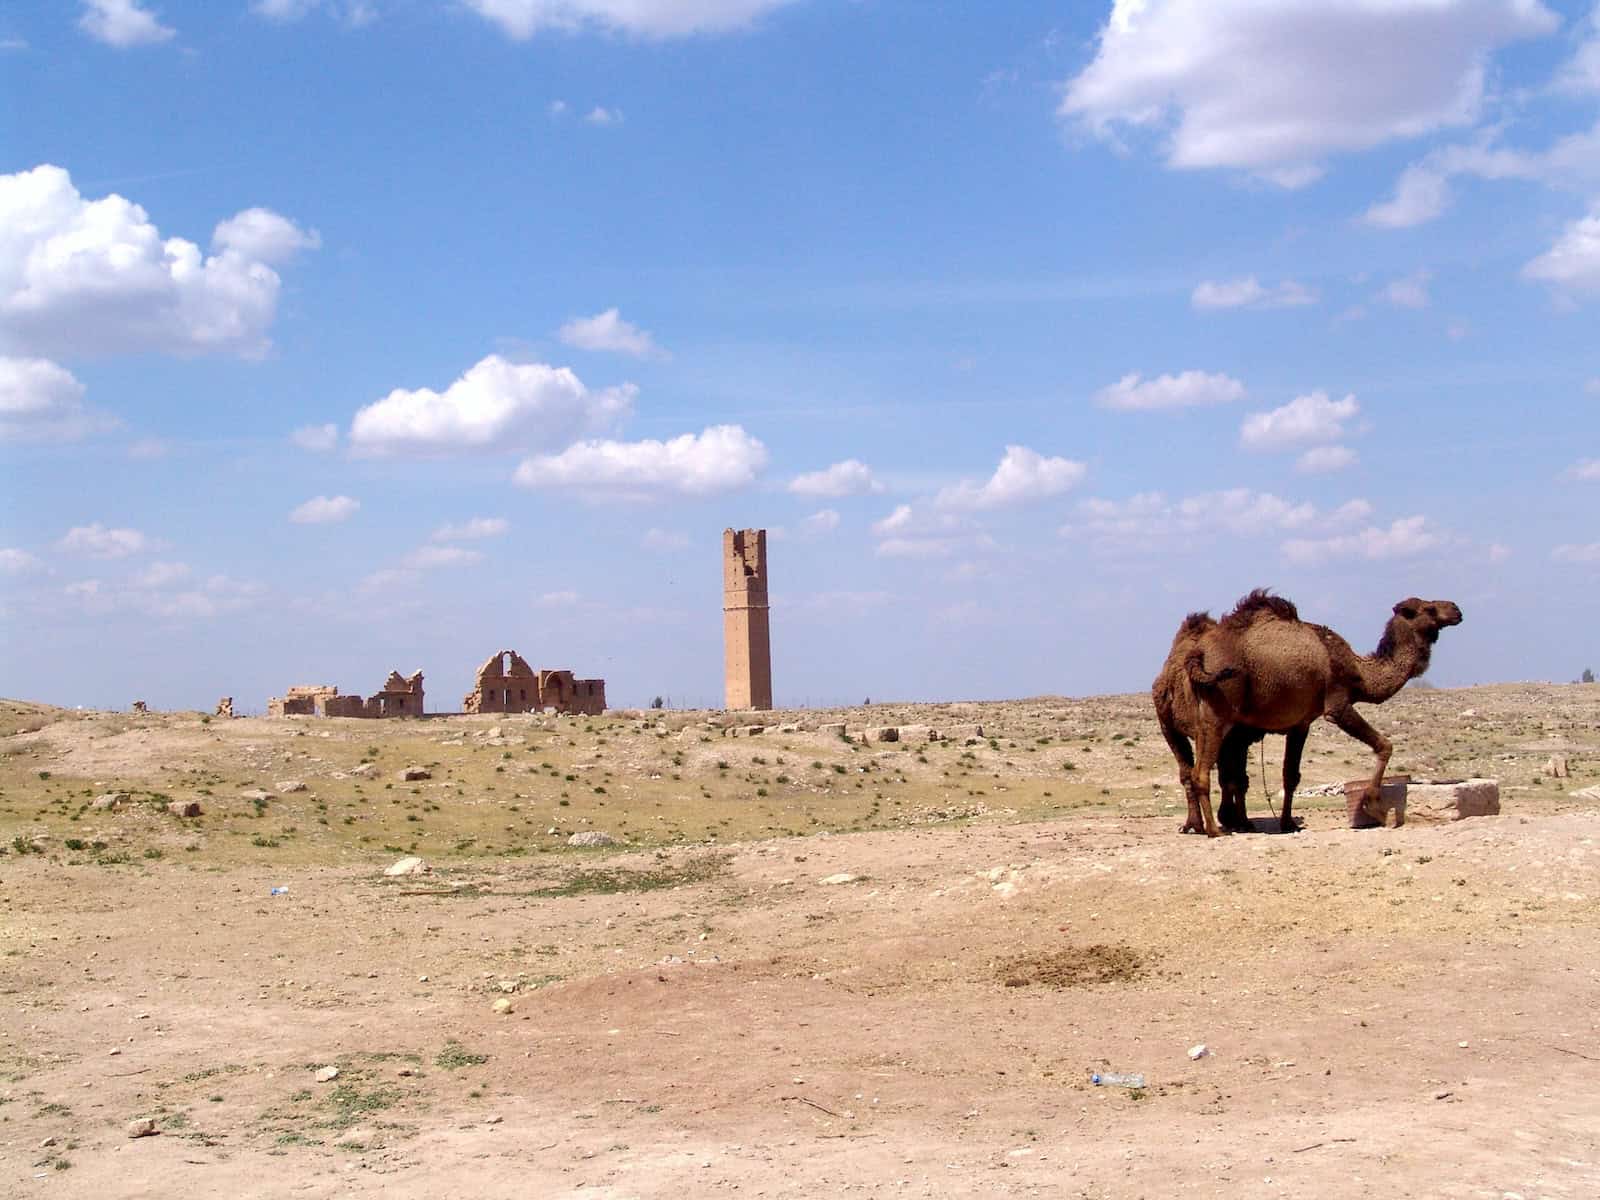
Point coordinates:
pixel 1076 966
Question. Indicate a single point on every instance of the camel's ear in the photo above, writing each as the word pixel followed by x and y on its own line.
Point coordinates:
pixel 1408 608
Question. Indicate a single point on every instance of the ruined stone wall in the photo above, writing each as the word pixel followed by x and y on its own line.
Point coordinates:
pixel 401 696
pixel 507 684
pixel 746 629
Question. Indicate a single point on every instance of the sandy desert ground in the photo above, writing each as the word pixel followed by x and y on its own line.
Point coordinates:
pixel 811 967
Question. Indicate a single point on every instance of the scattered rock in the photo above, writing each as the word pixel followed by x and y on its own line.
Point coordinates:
pixel 494 1120
pixel 592 837
pixel 327 1074
pixel 185 808
pixel 503 1007
pixel 290 786
pixel 841 877
pixel 365 770
pixel 1198 1052
pixel 141 1127
pixel 831 728
pixel 407 866
pixel 1453 801
pixel 1588 793
pixel 414 774
pixel 255 794
pixel 883 733
pixel 111 801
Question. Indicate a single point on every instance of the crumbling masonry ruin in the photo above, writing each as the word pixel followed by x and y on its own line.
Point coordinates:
pixel 746 633
pixel 401 696
pixel 507 684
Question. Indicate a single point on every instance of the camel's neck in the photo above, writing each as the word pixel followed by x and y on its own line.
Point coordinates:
pixel 1401 656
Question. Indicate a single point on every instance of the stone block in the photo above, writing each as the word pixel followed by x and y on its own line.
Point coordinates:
pixel 1451 801
pixel 963 733
pixel 884 733
pixel 185 808
pixel 831 728
pixel 754 730
pixel 110 801
pixel 1558 767
pixel 1391 800
pixel 415 774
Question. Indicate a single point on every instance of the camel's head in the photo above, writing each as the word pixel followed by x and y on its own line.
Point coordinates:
pixel 1428 617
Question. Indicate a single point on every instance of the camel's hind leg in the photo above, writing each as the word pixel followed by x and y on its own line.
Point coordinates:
pixel 1206 748
pixel 1233 780
pixel 1294 748
pixel 1347 719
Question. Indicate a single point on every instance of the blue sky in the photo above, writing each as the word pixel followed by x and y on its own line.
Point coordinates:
pixel 344 336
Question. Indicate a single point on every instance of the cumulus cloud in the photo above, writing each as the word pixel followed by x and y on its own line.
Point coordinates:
pixel 123 24
pixel 1149 520
pixel 496 405
pixel 319 439
pixel 1409 292
pixel 1581 73
pixel 1573 262
pixel 1404 538
pixel 91 276
pixel 819 523
pixel 521 19
pixel 607 331
pixel 1420 194
pixel 600 115
pixel 162 574
pixel 717 459
pixel 1304 420
pixel 1023 476
pixel 1586 469
pixel 848 478
pixel 43 402
pixel 1268 87
pixel 16 562
pixel 1322 460
pixel 1588 554
pixel 325 510
pixel 1250 293
pixel 282 10
pixel 1189 389
pixel 97 541
pixel 474 530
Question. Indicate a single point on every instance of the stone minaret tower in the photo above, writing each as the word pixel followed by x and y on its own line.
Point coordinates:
pixel 746 634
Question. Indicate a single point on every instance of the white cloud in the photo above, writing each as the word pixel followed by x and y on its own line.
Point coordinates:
pixel 556 108
pixel 41 401
pixel 495 405
pixel 474 530
pixel 1270 86
pixel 325 510
pixel 123 24
pixel 562 599
pixel 95 276
pixel 521 19
pixel 608 331
pixel 97 541
pixel 283 10
pixel 1148 521
pixel 161 574
pixel 263 235
pixel 1581 73
pixel 599 115
pixel 1420 194
pixel 1305 419
pixel 819 523
pixel 1250 293
pixel 319 439
pixel 16 562
pixel 1410 292
pixel 664 541
pixel 896 547
pixel 429 558
pixel 1186 390
pixel 1573 262
pixel 1022 477
pixel 1588 469
pixel 848 478
pixel 1405 538
pixel 1582 554
pixel 717 459
pixel 1593 386
pixel 1243 512
pixel 1321 460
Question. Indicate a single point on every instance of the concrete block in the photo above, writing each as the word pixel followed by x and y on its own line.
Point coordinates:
pixel 1392 799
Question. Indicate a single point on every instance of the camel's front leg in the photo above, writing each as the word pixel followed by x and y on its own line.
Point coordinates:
pixel 1347 719
pixel 1294 747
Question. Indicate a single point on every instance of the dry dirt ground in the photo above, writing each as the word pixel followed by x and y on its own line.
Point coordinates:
pixel 815 967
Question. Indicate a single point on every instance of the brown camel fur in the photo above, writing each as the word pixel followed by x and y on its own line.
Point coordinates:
pixel 1263 667
pixel 1177 711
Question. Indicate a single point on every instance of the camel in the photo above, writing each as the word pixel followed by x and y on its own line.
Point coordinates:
pixel 1263 667
pixel 1177 713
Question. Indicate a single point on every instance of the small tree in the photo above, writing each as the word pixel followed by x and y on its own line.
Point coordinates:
pixel 1588 675
pixel 658 702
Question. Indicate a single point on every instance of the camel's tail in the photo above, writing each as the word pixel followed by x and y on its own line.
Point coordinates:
pixel 1195 667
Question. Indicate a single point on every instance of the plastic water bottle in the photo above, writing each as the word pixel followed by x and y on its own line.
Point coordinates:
pixel 279 891
pixel 1115 1079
